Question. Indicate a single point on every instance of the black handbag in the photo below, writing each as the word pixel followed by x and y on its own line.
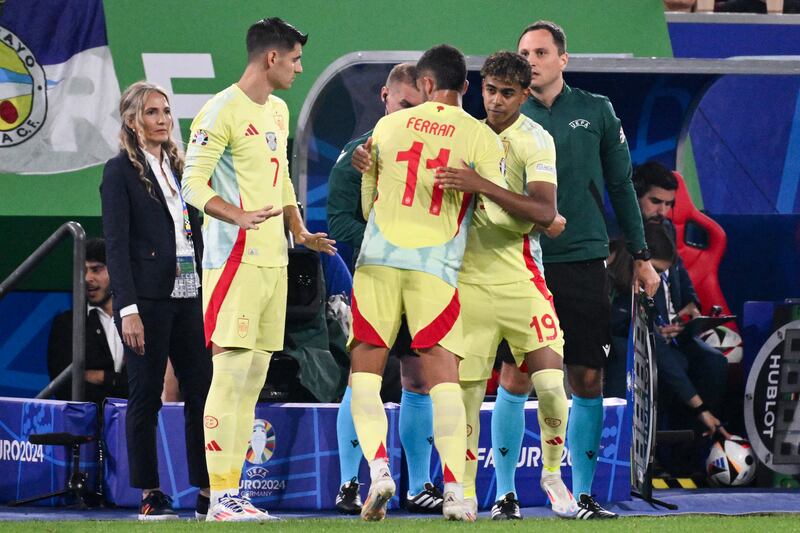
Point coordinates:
pixel 306 285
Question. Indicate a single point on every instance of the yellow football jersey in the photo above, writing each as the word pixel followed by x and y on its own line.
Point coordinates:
pixel 495 254
pixel 237 150
pixel 411 224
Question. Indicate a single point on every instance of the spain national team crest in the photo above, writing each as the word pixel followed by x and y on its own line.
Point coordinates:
pixel 262 442
pixel 23 91
pixel 200 137
pixel 242 326
pixel 272 140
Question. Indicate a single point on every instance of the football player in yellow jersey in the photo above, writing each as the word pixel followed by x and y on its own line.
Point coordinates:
pixel 409 261
pixel 504 296
pixel 237 173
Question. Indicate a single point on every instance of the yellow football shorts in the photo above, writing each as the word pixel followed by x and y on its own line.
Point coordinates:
pixel 244 306
pixel 520 312
pixel 381 295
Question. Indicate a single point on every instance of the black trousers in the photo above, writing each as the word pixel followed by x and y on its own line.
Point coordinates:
pixel 172 328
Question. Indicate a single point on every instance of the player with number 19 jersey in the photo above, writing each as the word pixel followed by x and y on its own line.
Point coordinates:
pixel 416 233
pixel 502 278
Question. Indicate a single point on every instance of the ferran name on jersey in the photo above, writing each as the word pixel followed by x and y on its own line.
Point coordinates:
pixel 433 128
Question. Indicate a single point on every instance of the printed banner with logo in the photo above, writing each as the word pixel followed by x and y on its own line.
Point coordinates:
pixel 30 470
pixel 612 478
pixel 292 461
pixel 772 392
pixel 59 93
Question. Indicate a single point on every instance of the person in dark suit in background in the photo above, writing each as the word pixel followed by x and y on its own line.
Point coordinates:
pixel 154 257
pixel 105 373
pixel 691 374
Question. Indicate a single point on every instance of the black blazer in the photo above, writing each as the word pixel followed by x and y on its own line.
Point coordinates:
pixel 98 357
pixel 140 235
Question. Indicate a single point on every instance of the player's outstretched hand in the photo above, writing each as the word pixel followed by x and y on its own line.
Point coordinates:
pixel 362 157
pixel 461 179
pixel 251 219
pixel 556 227
pixel 317 241
pixel 645 276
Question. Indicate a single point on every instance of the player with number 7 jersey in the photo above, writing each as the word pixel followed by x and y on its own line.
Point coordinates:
pixel 237 150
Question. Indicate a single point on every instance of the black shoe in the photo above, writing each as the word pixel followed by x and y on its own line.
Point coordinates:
pixel 506 509
pixel 157 506
pixel 201 507
pixel 428 500
pixel 348 500
pixel 589 509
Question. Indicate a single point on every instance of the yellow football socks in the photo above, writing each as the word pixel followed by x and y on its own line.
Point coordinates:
pixel 221 415
pixel 472 392
pixel 369 418
pixel 450 430
pixel 552 414
pixel 252 385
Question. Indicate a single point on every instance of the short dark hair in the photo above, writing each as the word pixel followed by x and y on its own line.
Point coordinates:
pixel 653 174
pixel 509 67
pixel 659 241
pixel 95 250
pixel 661 246
pixel 447 65
pixel 272 33
pixel 555 30
pixel 402 73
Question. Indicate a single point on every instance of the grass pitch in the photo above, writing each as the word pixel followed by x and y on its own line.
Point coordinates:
pixel 678 524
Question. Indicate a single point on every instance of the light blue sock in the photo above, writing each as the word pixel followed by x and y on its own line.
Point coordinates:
pixel 349 449
pixel 416 435
pixel 583 440
pixel 508 428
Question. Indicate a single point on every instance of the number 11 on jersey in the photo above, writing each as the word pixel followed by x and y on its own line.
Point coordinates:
pixel 412 156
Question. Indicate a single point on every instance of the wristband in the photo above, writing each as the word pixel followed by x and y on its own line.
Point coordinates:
pixel 700 409
pixel 642 255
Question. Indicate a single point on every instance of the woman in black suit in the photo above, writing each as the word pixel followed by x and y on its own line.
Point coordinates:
pixel 154 252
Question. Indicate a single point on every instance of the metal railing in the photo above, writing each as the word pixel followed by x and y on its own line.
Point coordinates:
pixel 78 365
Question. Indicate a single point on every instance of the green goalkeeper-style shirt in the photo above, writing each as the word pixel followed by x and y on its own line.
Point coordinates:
pixel 591 152
pixel 345 221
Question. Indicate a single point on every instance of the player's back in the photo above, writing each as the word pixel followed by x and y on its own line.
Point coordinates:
pixel 410 216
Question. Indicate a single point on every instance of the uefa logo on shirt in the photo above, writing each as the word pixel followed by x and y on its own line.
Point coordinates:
pixel 23 91
pixel 200 137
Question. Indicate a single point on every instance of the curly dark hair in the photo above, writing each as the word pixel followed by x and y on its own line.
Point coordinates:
pixel 507 66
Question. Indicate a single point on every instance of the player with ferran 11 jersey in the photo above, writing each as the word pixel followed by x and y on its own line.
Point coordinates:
pixel 409 263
